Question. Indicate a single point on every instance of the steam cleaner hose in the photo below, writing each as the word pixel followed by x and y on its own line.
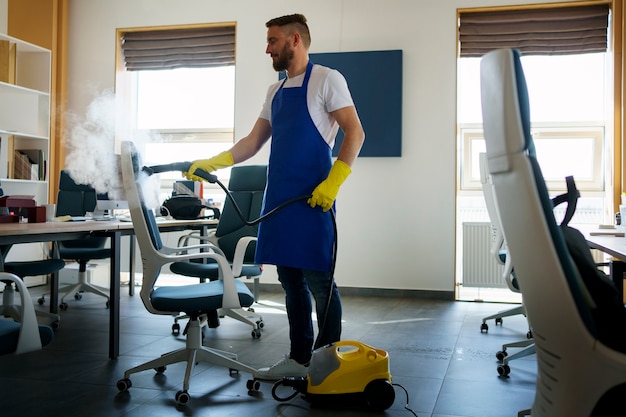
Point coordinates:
pixel 211 178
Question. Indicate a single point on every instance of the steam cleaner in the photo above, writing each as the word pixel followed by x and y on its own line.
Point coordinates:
pixel 340 371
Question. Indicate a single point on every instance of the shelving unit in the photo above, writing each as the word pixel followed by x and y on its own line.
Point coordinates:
pixel 25 77
pixel 25 85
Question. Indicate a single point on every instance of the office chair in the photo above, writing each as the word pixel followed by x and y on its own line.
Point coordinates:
pixel 233 239
pixel 26 335
pixel 499 251
pixel 24 269
pixel 195 300
pixel 581 368
pixel 76 200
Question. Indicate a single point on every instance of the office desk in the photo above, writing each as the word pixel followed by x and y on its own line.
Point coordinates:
pixel 15 233
pixel 612 244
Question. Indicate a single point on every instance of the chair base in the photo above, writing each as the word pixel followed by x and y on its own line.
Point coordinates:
pixel 81 286
pixel 528 349
pixel 499 315
pixel 194 352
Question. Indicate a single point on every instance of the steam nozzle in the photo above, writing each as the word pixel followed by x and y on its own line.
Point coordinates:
pixel 182 167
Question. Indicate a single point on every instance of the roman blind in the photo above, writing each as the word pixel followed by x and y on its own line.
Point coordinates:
pixel 535 31
pixel 197 47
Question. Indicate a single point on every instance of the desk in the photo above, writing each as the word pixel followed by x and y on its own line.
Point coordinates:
pixel 15 233
pixel 612 245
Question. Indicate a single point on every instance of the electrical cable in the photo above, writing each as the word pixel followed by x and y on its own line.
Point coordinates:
pixel 406 406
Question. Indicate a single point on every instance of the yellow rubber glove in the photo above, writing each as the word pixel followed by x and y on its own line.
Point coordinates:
pixel 221 160
pixel 325 193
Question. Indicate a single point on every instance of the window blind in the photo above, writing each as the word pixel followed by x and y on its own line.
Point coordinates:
pixel 179 48
pixel 538 31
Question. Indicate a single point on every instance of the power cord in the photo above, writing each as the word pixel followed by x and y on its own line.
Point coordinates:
pixel 406 406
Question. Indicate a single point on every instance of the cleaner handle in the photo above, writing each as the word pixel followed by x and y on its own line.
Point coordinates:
pixel 182 167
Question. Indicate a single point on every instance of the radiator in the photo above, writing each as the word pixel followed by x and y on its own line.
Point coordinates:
pixel 480 267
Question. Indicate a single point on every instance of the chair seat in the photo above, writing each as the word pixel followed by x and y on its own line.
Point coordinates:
pixel 197 298
pixel 10 333
pixel 84 253
pixel 33 268
pixel 210 270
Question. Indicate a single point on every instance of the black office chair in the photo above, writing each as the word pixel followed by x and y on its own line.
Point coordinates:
pixel 578 331
pixel 76 200
pixel 196 300
pixel 233 239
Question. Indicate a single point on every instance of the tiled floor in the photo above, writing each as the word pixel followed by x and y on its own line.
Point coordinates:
pixel 436 350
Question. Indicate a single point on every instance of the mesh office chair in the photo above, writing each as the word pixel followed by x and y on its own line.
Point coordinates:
pixel 196 300
pixel 76 200
pixel 581 368
pixel 26 335
pixel 233 239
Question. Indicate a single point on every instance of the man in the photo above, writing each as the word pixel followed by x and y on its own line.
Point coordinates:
pixel 302 115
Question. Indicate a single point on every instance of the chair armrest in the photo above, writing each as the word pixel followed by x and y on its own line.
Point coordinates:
pixel 184 240
pixel 240 251
pixel 29 339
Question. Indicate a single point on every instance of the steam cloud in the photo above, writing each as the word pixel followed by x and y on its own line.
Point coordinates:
pixel 91 158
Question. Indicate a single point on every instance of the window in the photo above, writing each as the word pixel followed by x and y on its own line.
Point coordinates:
pixel 568 113
pixel 177 103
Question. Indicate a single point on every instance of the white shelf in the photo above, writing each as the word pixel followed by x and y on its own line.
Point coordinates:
pixel 25 103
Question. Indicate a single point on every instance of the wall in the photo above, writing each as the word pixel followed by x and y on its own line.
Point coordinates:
pixel 396 215
pixel 4 12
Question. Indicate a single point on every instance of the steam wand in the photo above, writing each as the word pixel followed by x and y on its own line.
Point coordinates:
pixel 211 178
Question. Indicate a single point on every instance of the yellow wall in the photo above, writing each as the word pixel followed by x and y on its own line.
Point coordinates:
pixel 44 23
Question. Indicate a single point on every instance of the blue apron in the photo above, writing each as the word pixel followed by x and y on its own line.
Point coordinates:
pixel 298 236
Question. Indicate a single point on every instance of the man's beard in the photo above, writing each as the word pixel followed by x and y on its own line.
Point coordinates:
pixel 284 58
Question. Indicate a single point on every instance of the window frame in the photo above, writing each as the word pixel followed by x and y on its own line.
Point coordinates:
pixel 472 142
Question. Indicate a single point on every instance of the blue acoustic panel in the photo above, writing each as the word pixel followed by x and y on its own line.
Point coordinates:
pixel 375 81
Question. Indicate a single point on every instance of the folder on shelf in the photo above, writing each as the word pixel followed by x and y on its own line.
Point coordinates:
pixel 29 164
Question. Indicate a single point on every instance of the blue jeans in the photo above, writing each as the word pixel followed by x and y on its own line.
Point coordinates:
pixel 299 284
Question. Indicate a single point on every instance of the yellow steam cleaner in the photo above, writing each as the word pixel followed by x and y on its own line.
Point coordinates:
pixel 344 372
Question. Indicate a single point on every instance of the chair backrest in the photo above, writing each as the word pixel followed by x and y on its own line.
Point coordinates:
pixel 144 223
pixel 76 200
pixel 498 248
pixel 247 187
pixel 559 306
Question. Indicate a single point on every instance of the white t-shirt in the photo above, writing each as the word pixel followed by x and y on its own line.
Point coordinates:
pixel 328 91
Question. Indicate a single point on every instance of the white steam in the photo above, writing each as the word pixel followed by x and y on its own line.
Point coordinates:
pixel 90 150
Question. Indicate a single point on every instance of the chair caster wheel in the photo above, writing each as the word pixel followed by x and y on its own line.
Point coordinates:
pixel 182 397
pixel 232 372
pixel 499 321
pixel 256 334
pixel 504 370
pixel 78 296
pixel 123 384
pixel 107 304
pixel 160 369
pixel 484 328
pixel 260 324
pixel 501 355
pixel 63 306
pixel 55 324
pixel 175 329
pixel 253 385
pixel 41 300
